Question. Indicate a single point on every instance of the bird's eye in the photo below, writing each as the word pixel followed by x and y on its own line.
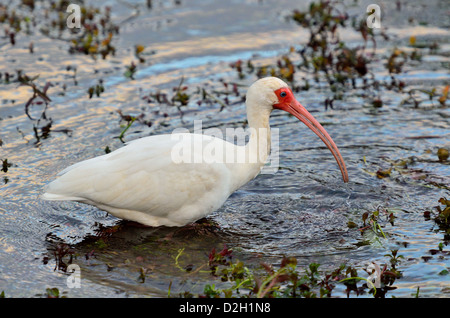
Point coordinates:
pixel 283 94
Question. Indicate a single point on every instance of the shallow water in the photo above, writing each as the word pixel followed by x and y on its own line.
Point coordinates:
pixel 302 210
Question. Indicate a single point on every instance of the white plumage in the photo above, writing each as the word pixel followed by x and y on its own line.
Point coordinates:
pixel 144 182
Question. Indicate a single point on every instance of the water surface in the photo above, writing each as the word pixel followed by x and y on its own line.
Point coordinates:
pixel 301 211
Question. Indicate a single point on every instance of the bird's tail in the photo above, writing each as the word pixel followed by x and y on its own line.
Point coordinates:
pixel 58 197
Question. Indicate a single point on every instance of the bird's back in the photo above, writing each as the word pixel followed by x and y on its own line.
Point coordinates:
pixel 145 181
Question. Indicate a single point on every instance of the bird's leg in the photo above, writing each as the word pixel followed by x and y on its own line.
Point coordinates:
pixel 137 224
pixel 202 226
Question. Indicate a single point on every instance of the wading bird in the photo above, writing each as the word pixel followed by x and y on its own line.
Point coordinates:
pixel 145 181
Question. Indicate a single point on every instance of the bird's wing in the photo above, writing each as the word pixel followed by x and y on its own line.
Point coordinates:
pixel 142 176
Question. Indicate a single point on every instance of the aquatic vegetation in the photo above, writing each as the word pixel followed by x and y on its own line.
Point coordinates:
pixel 41 124
pixel 286 280
pixel 15 22
pixel 97 33
pixel 130 120
pixel 97 89
pixel 94 37
pixel 325 52
pixel 60 252
pixel 372 225
pixel 325 55
pixel 396 61
pixel 180 97
pixel 130 71
pixel 139 51
pixel 39 94
pixel 92 44
pixel 416 96
pixel 53 292
pixel 404 170
pixel 443 98
pixel 442 215
pixel 4 168
pixel 345 68
pixel 442 154
pixel 5 165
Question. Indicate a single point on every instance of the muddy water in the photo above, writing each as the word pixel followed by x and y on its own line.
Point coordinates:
pixel 302 210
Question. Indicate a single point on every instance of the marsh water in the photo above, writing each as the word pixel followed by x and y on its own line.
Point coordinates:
pixel 303 210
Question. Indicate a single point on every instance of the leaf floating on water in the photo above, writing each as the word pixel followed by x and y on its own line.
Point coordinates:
pixel 443 272
pixel 5 165
pixel 444 96
pixel 364 217
pixel 97 89
pixel 444 201
pixel 130 71
pixel 351 225
pixel 442 154
pixel 91 91
pixel 139 49
pixel 381 174
pixel 378 103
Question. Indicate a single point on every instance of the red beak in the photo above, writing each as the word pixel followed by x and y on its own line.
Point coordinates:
pixel 292 106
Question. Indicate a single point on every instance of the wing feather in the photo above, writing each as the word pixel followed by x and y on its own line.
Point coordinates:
pixel 142 176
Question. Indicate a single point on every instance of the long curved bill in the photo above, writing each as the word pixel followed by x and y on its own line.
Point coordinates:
pixel 296 109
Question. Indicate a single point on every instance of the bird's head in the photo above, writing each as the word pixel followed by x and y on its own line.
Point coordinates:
pixel 270 93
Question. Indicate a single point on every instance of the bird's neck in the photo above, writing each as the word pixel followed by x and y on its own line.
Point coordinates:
pixel 258 147
pixel 260 142
pixel 258 121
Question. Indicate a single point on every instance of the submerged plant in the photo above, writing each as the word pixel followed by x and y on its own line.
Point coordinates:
pixel 97 89
pixel 130 120
pixel 442 215
pixel 39 96
pixel 5 165
pixel 442 154
pixel 286 280
pixel 42 125
pixel 98 32
pixel 372 227
pixel 130 71
pixel 325 52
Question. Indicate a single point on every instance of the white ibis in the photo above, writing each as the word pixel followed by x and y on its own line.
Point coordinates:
pixel 143 182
